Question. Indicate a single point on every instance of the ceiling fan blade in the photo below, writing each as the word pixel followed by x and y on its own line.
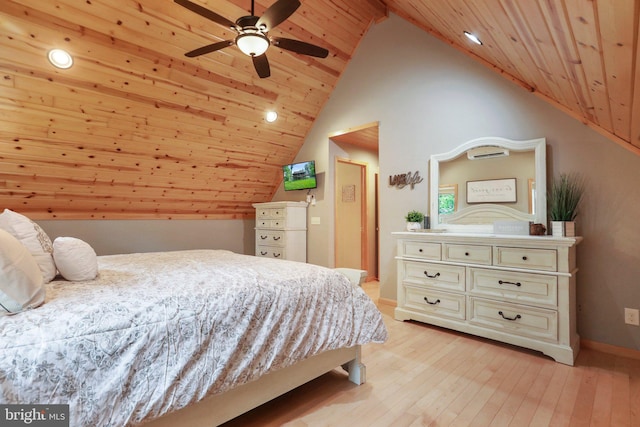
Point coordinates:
pixel 209 48
pixel 300 47
pixel 207 13
pixel 277 13
pixel 262 65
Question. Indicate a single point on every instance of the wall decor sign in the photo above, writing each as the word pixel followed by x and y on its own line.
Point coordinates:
pixel 402 180
pixel 348 193
pixel 492 191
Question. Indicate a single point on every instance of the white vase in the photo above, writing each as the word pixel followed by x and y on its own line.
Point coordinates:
pixel 563 228
pixel 413 226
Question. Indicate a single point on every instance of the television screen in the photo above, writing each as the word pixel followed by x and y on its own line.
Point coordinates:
pixel 300 176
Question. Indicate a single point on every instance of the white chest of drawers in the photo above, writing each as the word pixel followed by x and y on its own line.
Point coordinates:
pixel 281 230
pixel 516 289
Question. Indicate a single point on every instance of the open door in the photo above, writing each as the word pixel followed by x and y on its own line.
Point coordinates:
pixel 350 215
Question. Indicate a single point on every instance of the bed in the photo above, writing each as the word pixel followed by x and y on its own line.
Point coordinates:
pixel 183 338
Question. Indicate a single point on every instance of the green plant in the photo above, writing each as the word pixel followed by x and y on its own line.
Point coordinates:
pixel 564 197
pixel 414 216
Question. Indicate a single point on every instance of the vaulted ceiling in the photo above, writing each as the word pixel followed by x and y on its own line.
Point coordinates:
pixel 134 129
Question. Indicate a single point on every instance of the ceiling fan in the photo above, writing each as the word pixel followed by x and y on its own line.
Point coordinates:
pixel 253 39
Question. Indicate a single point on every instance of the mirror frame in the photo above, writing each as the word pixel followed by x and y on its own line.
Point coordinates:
pixel 537 145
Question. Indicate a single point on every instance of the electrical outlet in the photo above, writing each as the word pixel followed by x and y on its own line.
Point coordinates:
pixel 632 316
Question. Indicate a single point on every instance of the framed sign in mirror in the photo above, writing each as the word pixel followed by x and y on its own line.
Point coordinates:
pixel 492 191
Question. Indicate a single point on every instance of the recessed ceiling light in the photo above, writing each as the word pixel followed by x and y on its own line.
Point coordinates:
pixel 271 116
pixel 60 58
pixel 472 37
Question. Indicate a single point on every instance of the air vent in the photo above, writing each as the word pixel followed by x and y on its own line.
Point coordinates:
pixel 487 152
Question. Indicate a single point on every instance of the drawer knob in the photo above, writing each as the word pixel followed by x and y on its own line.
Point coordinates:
pixel 513 319
pixel 426 273
pixel 276 238
pixel 263 237
pixel 524 258
pixel 275 255
pixel 466 254
pixel 432 303
pixel 504 282
pixel 263 253
pixel 420 250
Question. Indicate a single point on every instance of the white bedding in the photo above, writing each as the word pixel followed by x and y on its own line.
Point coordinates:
pixel 155 332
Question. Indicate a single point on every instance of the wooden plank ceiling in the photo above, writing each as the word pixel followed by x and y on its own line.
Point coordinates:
pixel 134 129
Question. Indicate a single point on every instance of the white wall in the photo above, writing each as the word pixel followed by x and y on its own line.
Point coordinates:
pixel 109 237
pixel 429 98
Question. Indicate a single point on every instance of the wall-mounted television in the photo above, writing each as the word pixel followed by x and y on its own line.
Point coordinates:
pixel 300 176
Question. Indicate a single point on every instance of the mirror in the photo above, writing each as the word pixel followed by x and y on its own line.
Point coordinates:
pixel 486 180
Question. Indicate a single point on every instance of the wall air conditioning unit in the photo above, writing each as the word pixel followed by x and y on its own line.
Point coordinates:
pixel 487 152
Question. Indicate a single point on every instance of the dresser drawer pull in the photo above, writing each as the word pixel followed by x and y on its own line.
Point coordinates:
pixel 426 273
pixel 432 303
pixel 502 282
pixel 263 237
pixel 524 258
pixel 276 238
pixel 263 253
pixel 513 319
pixel 466 254
pixel 275 255
pixel 420 250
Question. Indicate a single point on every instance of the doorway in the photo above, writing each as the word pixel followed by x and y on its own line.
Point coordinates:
pixel 357 149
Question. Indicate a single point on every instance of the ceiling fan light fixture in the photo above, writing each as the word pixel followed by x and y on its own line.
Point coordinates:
pixel 473 38
pixel 252 44
pixel 60 58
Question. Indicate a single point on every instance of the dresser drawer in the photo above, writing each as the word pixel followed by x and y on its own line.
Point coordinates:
pixel 424 250
pixel 263 223
pixel 533 259
pixel 269 213
pixel 433 302
pixel 442 276
pixel 524 288
pixel 270 252
pixel 474 254
pixel 270 237
pixel 514 319
pixel 270 223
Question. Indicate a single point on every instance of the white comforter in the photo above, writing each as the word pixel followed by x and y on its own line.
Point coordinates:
pixel 158 331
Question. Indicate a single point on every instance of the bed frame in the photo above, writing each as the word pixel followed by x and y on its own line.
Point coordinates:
pixel 217 409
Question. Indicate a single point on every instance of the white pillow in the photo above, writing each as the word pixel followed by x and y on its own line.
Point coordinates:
pixel 34 238
pixel 75 259
pixel 21 284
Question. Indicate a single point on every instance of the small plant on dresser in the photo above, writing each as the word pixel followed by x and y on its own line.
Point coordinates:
pixel 414 220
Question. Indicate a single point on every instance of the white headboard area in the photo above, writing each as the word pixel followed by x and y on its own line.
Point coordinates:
pixel 491 163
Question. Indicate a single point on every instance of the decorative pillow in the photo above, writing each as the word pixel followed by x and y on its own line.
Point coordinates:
pixel 21 284
pixel 75 259
pixel 34 238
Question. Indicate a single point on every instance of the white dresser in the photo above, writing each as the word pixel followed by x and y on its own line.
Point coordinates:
pixel 516 289
pixel 281 230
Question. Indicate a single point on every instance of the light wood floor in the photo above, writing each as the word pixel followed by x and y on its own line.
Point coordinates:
pixel 428 376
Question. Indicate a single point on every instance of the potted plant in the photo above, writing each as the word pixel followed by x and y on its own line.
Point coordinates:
pixel 563 199
pixel 414 220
